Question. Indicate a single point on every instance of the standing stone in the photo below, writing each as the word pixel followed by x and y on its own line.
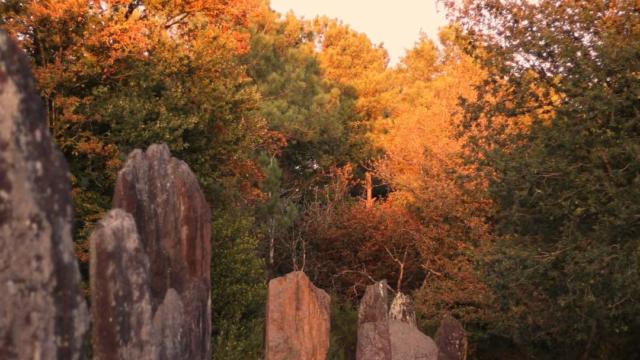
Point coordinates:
pixel 390 334
pixel 409 343
pixel 298 319
pixel 42 312
pixel 374 342
pixel 451 339
pixel 174 223
pixel 121 304
pixel 402 309
pixel 168 323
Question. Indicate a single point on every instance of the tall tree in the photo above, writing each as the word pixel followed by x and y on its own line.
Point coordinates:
pixel 565 180
pixel 424 167
pixel 117 75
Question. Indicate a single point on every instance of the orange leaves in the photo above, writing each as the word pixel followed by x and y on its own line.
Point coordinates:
pixel 56 10
pixel 275 143
pixel 242 40
pixel 92 146
pixel 67 106
pixel 118 40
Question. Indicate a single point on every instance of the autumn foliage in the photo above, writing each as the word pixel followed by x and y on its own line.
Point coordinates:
pixel 503 160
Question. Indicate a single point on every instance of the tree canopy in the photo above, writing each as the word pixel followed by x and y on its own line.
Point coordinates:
pixel 502 159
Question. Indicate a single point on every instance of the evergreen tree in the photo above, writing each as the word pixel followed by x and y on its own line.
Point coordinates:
pixel 556 125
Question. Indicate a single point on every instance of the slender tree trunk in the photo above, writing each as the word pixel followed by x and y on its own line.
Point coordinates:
pixel 369 186
pixel 594 327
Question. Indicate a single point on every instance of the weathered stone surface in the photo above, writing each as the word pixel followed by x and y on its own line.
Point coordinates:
pixel 390 334
pixel 168 324
pixel 402 309
pixel 174 224
pixel 374 341
pixel 298 319
pixel 408 343
pixel 451 339
pixel 42 312
pixel 121 303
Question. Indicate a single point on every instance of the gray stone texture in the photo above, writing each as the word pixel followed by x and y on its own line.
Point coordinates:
pixel 408 343
pixel 174 223
pixel 120 298
pixel 374 341
pixel 42 312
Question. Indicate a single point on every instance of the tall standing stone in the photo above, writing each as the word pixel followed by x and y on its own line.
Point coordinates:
pixel 451 339
pixel 174 223
pixel 120 299
pixel 298 319
pixel 42 312
pixel 374 341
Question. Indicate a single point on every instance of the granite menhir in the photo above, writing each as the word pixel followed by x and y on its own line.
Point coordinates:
pixel 174 223
pixel 42 312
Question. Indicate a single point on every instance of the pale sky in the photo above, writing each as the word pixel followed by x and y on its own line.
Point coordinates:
pixel 396 23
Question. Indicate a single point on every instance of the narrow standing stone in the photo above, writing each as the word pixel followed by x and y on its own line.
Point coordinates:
pixel 42 312
pixel 121 304
pixel 374 342
pixel 174 223
pixel 298 319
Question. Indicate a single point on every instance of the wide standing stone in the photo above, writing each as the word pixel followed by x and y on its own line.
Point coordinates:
pixel 390 334
pixel 120 300
pixel 374 341
pixel 42 312
pixel 298 319
pixel 409 343
pixel 174 223
pixel 451 339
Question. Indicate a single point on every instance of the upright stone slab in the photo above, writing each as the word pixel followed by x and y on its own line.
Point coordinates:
pixel 298 319
pixel 42 312
pixel 390 334
pixel 374 342
pixel 174 223
pixel 409 343
pixel 168 323
pixel 120 300
pixel 451 339
pixel 402 309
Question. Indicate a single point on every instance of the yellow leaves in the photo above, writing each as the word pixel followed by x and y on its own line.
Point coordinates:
pixel 351 60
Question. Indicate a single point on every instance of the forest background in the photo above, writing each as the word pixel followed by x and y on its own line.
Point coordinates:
pixel 504 162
